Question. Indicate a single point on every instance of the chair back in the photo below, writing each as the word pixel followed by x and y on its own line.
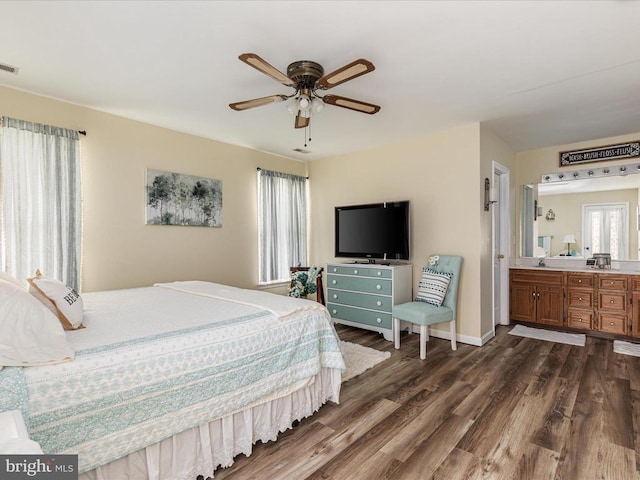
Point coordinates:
pixel 450 264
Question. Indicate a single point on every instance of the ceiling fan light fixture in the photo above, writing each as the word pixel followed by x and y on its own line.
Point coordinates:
pixel 304 102
pixel 292 106
pixel 317 105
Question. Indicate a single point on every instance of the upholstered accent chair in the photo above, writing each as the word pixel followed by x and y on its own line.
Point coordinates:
pixel 425 311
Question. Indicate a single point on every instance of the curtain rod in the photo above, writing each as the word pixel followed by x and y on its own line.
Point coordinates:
pixel 261 169
pixel 82 132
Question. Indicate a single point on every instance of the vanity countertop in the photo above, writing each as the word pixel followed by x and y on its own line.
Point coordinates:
pixel 580 269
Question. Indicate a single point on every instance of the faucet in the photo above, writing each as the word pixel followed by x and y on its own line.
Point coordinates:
pixel 541 262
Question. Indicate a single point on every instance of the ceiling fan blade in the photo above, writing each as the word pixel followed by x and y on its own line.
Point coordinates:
pixel 258 63
pixel 301 121
pixel 346 73
pixel 257 102
pixel 351 104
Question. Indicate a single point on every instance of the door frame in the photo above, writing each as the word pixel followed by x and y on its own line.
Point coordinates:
pixel 500 217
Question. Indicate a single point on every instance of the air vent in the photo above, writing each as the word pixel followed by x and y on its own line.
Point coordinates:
pixel 301 150
pixel 9 68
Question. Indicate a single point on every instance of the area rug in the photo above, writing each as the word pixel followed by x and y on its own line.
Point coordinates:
pixel 626 348
pixel 578 339
pixel 359 359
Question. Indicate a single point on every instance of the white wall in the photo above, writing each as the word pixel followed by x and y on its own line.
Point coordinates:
pixel 120 250
pixel 439 175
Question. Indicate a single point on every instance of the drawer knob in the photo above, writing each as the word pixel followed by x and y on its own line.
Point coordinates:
pixel 612 301
pixel 335 270
pixel 379 273
pixel 335 295
pixel 378 287
pixel 379 303
pixel 379 320
pixel 334 282
pixel 611 323
pixel 611 283
pixel 334 311
pixel 580 281
pixel 355 271
pixel 580 298
pixel 580 320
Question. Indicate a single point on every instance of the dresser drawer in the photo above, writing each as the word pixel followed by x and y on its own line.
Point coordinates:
pixel 612 323
pixel 612 282
pixel 367 317
pixel 582 280
pixel 580 298
pixel 376 302
pixel 612 301
pixel 580 319
pixel 368 285
pixel 360 271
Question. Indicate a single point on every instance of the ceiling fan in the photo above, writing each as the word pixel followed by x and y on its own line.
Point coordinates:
pixel 308 78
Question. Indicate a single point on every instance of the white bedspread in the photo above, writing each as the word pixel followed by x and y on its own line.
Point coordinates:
pixel 159 360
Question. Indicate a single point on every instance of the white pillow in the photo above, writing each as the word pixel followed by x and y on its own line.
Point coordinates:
pixel 30 334
pixel 60 299
pixel 433 286
pixel 10 278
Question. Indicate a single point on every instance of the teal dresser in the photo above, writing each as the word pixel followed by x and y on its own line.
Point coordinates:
pixel 361 295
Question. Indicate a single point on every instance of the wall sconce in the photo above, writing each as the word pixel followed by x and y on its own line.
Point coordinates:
pixel 489 195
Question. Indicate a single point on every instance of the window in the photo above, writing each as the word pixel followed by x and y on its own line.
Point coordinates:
pixel 282 225
pixel 605 230
pixel 40 201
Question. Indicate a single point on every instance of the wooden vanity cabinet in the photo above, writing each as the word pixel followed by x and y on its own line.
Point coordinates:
pixel 613 302
pixel 580 300
pixel 603 302
pixel 537 297
pixel 635 306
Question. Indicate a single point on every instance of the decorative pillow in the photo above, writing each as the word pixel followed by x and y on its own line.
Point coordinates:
pixel 10 278
pixel 60 299
pixel 30 334
pixel 433 286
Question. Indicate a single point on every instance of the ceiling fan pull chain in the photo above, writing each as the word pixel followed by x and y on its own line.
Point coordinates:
pixel 305 136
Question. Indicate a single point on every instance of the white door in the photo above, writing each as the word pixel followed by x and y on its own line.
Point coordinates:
pixel 500 245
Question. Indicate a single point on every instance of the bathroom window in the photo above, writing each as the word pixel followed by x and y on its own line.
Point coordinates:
pixel 605 229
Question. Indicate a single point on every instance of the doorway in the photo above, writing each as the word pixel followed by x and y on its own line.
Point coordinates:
pixel 500 245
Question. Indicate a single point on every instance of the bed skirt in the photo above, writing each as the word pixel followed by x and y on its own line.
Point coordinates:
pixel 200 450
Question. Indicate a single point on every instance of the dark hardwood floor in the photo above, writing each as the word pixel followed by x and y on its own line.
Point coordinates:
pixel 515 408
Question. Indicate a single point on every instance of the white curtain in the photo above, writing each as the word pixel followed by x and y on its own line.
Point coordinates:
pixel 282 224
pixel 606 230
pixel 40 201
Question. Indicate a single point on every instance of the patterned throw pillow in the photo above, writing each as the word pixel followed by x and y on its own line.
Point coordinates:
pixel 433 286
pixel 62 300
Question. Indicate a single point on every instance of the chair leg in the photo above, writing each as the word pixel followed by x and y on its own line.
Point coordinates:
pixel 396 332
pixel 423 341
pixel 452 325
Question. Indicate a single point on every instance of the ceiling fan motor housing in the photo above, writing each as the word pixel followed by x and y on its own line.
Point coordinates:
pixel 305 73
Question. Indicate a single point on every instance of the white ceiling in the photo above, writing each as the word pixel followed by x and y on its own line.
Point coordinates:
pixel 539 73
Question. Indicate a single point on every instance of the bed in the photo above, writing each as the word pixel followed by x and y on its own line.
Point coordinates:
pixel 175 380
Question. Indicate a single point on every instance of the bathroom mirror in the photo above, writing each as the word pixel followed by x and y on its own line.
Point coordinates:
pixel 596 215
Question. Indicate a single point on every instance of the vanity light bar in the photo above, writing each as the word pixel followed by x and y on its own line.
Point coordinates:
pixel 615 170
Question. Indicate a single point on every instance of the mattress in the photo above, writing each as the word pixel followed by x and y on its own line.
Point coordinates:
pixel 153 362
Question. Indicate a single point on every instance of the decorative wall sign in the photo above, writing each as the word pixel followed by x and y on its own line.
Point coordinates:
pixel 176 199
pixel 599 154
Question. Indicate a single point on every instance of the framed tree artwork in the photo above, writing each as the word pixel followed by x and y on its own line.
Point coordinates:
pixel 186 200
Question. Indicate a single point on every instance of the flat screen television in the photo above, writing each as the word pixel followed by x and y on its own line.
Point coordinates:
pixel 373 231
